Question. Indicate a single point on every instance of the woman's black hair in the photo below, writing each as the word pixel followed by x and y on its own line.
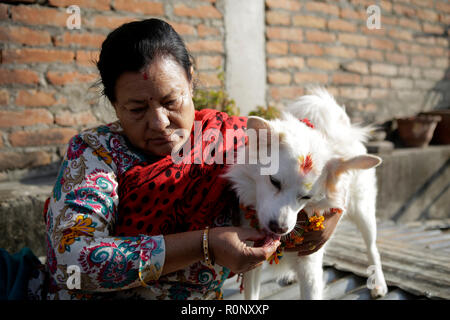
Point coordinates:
pixel 134 45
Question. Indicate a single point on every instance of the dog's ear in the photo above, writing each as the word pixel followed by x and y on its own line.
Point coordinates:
pixel 337 166
pixel 257 123
pixel 361 162
pixel 262 129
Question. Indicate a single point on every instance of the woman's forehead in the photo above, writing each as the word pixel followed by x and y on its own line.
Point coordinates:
pixel 158 80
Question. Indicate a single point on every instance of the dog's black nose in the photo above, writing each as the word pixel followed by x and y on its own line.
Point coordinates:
pixel 275 228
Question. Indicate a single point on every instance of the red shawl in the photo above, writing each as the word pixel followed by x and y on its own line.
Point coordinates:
pixel 161 197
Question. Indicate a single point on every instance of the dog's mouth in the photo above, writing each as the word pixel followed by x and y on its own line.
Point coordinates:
pixel 268 239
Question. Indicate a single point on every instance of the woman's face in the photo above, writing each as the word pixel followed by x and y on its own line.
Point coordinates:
pixel 152 105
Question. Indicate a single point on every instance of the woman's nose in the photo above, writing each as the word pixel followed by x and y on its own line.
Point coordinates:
pixel 158 119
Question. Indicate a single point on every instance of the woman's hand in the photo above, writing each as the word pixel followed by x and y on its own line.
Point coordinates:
pixel 227 246
pixel 314 240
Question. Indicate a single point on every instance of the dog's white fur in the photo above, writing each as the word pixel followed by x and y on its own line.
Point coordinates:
pixel 343 176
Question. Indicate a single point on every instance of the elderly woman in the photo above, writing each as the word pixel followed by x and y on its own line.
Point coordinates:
pixel 123 214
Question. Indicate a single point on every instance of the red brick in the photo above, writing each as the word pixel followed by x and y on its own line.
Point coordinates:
pixel 346 78
pixel 319 36
pixel 403 10
pixel 375 81
pixel 371 55
pixel 87 58
pixel 4 97
pixel 309 77
pixel 276 47
pixel 410 24
pixel 204 31
pixel 75 38
pixel 309 21
pixel 107 21
pixel 421 61
pixel 427 15
pixel 354 93
pixel 204 11
pixel 279 33
pixel 290 5
pixel 205 46
pixel 408 48
pixel 291 92
pixel 382 44
pixel 93 4
pixel 24 35
pixel 41 137
pixel 443 6
pixel 39 15
pixel 140 6
pixel 278 18
pixel 27 117
pixel 208 62
pixel 19 160
pixel 279 78
pixel 348 13
pixel 71 119
pixel 397 58
pixel 357 66
pixel 34 98
pixel 4 11
pixel 400 34
pixel 432 28
pixel 183 28
pixel 21 76
pixel 322 8
pixel 286 62
pixel 341 25
pixel 71 77
pixel 28 55
pixel 353 39
pixel 306 49
pixel 324 64
pixel 340 51
pixel 383 69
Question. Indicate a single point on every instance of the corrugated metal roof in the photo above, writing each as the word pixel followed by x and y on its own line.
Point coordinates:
pixel 415 258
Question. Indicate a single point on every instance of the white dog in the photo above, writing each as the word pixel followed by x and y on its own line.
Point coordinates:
pixel 321 167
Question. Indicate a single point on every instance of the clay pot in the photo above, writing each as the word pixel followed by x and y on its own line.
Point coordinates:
pixel 417 131
pixel 442 132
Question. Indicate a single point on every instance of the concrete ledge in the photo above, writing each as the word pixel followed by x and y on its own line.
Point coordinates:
pixel 414 184
pixel 21 220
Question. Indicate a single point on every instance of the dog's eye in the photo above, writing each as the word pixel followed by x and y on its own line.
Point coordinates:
pixel 275 182
pixel 302 197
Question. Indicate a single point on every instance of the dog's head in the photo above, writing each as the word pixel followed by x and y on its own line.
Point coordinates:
pixel 308 174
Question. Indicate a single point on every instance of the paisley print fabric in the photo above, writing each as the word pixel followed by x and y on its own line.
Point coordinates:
pixel 117 243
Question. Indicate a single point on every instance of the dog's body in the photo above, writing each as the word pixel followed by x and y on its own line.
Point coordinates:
pixel 319 168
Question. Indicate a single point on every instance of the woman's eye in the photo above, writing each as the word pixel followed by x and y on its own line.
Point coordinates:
pixel 168 104
pixel 275 182
pixel 137 110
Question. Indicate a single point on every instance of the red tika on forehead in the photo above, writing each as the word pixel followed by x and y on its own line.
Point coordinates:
pixel 307 122
pixel 306 164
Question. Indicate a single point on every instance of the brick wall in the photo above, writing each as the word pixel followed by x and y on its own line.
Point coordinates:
pixel 397 70
pixel 46 69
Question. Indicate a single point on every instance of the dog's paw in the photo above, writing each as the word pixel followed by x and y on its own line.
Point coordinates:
pixel 378 291
pixel 288 279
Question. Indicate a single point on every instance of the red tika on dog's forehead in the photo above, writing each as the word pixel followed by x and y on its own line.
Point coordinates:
pixel 305 164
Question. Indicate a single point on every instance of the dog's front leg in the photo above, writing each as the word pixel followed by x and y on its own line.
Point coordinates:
pixel 310 276
pixel 252 284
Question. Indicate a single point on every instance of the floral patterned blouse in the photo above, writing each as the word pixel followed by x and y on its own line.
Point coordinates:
pixel 81 217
